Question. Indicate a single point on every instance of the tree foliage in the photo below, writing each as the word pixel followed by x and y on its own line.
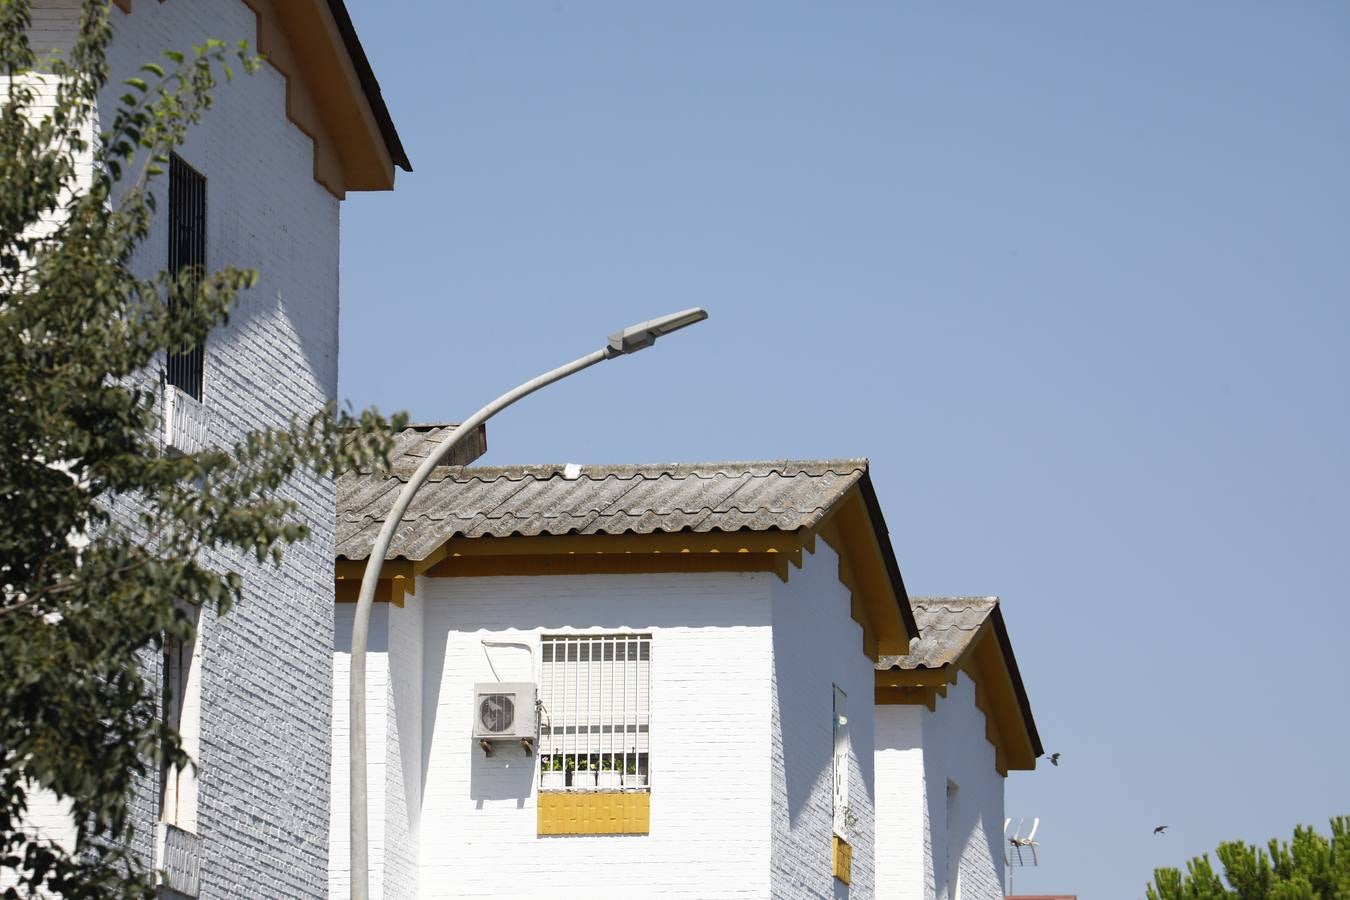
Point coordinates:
pixel 1311 867
pixel 104 536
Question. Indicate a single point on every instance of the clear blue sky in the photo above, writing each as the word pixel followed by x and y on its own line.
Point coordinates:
pixel 1075 276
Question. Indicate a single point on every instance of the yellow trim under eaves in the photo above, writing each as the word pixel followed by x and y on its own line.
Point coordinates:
pixel 594 812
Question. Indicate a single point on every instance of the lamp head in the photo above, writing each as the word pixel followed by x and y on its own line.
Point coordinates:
pixel 644 334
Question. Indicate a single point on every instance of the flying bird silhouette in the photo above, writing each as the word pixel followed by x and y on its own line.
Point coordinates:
pixel 1054 759
pixel 1160 829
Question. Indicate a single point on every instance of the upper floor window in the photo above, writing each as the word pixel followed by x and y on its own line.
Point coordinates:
pixel 187 250
pixel 596 725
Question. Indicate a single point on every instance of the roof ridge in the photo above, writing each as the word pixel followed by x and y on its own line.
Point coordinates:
pixel 678 470
pixel 486 501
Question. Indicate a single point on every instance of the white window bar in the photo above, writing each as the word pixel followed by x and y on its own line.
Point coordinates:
pixel 641 706
pixel 627 655
pixel 573 718
pixel 624 708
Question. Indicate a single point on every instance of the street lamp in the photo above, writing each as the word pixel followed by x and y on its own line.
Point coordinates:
pixel 629 340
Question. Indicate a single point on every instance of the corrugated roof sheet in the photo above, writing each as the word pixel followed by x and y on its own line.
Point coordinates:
pixel 503 501
pixel 947 626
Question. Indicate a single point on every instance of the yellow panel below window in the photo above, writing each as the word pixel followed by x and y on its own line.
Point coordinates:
pixel 843 860
pixel 599 812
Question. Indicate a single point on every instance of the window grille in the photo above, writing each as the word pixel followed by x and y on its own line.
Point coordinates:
pixel 187 250
pixel 596 694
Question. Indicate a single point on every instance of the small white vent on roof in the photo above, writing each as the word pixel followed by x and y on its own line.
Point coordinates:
pixel 571 471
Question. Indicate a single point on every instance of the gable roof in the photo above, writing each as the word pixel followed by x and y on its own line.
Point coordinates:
pixel 967 633
pixel 781 504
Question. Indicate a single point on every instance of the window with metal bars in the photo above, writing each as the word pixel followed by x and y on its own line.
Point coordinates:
pixel 596 696
pixel 187 251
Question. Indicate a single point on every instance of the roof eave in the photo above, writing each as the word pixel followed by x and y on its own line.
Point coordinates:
pixel 1019 688
pixel 873 505
pixel 370 87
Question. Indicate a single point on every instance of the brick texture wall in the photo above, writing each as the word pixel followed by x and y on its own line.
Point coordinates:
pixel 817 645
pixel 903 846
pixel 710 695
pixel 263 788
pixel 266 696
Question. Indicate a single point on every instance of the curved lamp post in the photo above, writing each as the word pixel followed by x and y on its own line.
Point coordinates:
pixel 629 340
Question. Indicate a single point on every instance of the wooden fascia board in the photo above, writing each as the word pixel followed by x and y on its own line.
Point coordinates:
pixel 302 106
pixel 387 590
pixel 915 677
pixel 330 74
pixel 906 696
pixel 398 578
pixel 580 554
pixel 1003 708
pixel 1000 633
pixel 604 564
pixel 785 542
pixel 392 568
pixel 615 554
pixel 849 530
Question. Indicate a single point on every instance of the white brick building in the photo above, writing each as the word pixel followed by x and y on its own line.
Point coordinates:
pixel 257 185
pixel 716 640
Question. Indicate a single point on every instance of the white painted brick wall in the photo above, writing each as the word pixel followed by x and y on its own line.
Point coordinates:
pixel 711 663
pixel 710 692
pixel 816 645
pixel 917 753
pixel 393 750
pixel 403 753
pixel 263 804
pixel 902 841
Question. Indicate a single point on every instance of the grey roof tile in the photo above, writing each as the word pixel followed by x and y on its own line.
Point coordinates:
pixel 947 626
pixel 501 501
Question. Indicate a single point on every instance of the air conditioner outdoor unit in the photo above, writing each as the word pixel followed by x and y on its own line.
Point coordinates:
pixel 505 711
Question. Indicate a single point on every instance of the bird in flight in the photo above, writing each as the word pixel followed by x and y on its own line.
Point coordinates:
pixel 1160 829
pixel 1053 757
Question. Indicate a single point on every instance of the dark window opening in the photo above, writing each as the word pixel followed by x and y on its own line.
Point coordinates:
pixel 187 250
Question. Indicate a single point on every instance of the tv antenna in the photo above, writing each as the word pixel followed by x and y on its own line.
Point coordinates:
pixel 1020 849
